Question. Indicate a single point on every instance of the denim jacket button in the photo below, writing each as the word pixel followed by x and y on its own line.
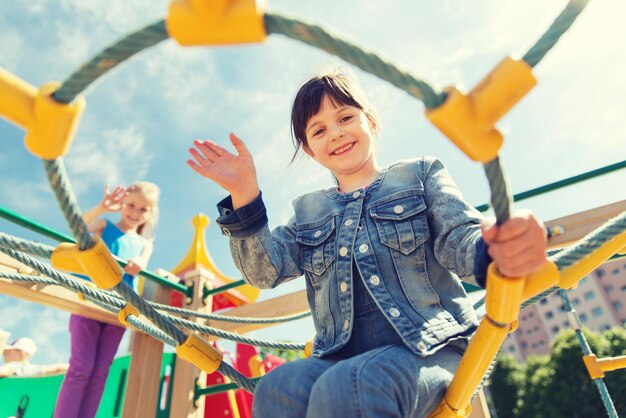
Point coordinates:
pixel 394 312
pixel 421 346
pixel 398 209
pixel 363 248
pixel 348 222
pixel 346 324
pixel 343 251
pixel 375 280
pixel 356 194
pixel 226 231
pixel 343 286
pixel 317 234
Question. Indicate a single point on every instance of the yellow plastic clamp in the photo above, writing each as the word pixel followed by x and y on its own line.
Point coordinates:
pixel 127 310
pixel 443 410
pixel 17 99
pixel 200 353
pixel 256 366
pixel 596 367
pixel 469 120
pixel 308 349
pixel 95 262
pixel 504 296
pixel 81 297
pixel 216 22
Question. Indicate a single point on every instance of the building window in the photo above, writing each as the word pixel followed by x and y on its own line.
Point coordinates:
pixel 617 305
pixel 549 315
pixel 524 345
pixel 600 273
pixel 615 272
pixel 583 280
pixel 583 317
pixel 555 329
pixel 606 327
pixel 543 301
pixel 624 288
pixel 597 311
pixel 609 288
pixel 576 301
pixel 590 295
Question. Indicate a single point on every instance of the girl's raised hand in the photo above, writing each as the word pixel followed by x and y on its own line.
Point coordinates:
pixel 112 201
pixel 233 172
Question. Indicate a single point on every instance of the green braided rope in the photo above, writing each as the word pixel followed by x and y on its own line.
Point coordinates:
pixel 500 196
pixel 60 183
pixel 109 58
pixel 160 320
pixel 584 345
pixel 225 318
pixel 45 251
pixel 204 329
pixel 560 25
pixel 367 61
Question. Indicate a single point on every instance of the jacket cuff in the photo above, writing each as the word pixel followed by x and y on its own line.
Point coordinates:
pixel 242 222
pixel 482 259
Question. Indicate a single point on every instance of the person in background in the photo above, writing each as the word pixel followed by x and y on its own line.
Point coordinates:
pixel 17 356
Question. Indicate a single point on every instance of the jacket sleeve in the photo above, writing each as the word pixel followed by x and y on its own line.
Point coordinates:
pixel 265 259
pixel 453 223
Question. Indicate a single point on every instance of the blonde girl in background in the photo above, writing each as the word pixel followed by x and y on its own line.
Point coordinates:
pixel 94 343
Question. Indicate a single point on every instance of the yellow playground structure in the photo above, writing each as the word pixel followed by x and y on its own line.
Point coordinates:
pixel 50 114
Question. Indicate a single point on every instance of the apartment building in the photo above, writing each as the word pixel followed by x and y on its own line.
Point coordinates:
pixel 599 301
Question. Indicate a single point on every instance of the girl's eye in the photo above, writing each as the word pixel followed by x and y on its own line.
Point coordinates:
pixel 318 132
pixel 346 118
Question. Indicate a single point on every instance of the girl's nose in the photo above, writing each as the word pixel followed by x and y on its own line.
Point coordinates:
pixel 338 133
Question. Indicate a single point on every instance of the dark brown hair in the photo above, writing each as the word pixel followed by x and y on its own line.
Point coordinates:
pixel 341 89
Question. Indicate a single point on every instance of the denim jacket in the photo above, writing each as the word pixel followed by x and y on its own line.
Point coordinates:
pixel 410 234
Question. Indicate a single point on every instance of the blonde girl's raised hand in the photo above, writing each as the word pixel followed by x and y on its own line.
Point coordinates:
pixel 233 172
pixel 112 201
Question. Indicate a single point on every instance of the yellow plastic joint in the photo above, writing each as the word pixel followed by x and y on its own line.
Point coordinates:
pixel 504 296
pixel 541 280
pixel 17 99
pixel 54 124
pixel 81 297
pixel 216 22
pixel 200 353
pixel 443 410
pixel 125 312
pixel 593 367
pixel 255 364
pixel 469 120
pixel 308 349
pixel 95 262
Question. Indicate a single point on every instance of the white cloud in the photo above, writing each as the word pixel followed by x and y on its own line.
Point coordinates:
pixel 117 156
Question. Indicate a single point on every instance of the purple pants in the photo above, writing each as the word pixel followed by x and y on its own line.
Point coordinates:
pixel 93 346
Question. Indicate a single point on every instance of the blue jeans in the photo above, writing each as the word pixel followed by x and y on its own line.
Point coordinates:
pixel 373 376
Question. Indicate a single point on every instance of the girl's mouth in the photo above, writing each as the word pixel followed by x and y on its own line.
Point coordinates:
pixel 344 149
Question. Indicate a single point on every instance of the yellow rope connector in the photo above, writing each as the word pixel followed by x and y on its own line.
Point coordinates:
pixel 256 366
pixel 127 310
pixel 49 125
pixel 469 120
pixel 308 349
pixel 216 22
pixel 596 367
pixel 200 353
pixel 95 262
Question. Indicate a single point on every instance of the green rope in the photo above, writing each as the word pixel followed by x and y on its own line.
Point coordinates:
pixel 367 61
pixel 560 25
pixel 109 58
pixel 584 345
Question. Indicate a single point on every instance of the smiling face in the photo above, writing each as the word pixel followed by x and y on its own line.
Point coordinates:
pixel 136 211
pixel 341 138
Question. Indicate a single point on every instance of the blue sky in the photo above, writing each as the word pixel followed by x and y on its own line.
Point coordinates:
pixel 141 117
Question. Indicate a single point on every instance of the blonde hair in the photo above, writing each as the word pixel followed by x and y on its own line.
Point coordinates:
pixel 152 193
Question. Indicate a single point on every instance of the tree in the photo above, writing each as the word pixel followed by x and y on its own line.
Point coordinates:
pixel 559 385
pixel 506 380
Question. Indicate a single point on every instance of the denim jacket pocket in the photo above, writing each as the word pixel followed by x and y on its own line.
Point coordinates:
pixel 317 245
pixel 401 223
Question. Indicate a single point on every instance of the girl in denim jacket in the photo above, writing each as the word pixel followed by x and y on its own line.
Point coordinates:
pixel 382 255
